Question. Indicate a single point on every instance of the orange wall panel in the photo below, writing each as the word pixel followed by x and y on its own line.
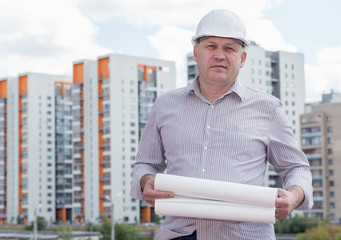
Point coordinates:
pixel 78 73
pixel 23 84
pixel 103 68
pixel 146 214
pixel 3 89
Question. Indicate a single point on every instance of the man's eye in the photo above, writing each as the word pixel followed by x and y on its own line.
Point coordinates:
pixel 210 46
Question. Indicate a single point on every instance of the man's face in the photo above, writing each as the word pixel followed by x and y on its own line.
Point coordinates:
pixel 219 61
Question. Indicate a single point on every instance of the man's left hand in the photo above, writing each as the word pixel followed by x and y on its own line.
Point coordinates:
pixel 287 201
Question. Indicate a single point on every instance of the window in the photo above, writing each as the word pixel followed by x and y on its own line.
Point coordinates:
pixel 329 118
pixel 331 173
pixel 330 129
pixel 331 194
pixel 331 183
pixel 330 162
pixel 330 151
pixel 332 205
pixel 330 140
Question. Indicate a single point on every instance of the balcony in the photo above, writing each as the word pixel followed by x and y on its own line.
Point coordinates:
pixel 311 134
pixel 311 156
pixel 317 177
pixel 78 180
pixel 318 199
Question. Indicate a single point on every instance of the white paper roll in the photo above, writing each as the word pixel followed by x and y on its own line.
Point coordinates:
pixel 216 190
pixel 199 208
pixel 202 198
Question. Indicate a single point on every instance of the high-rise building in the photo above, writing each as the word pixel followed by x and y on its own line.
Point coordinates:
pixel 112 98
pixel 30 146
pixel 3 151
pixel 321 142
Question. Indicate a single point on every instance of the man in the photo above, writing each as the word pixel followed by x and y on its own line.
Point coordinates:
pixel 219 129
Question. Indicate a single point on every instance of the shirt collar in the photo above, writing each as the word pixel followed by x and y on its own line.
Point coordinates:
pixel 238 88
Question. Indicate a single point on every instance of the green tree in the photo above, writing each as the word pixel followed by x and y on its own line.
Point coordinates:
pixel 65 234
pixel 125 231
pixel 40 225
pixel 322 232
pixel 122 231
pixel 296 224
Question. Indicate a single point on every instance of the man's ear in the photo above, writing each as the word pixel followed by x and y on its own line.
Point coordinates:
pixel 243 59
pixel 195 52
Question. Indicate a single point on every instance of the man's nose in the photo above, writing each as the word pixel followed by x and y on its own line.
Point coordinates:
pixel 219 54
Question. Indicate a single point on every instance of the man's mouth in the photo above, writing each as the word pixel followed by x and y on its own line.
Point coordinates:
pixel 218 66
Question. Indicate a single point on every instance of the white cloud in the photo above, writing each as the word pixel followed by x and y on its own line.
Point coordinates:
pixel 44 36
pixel 325 75
pixel 172 43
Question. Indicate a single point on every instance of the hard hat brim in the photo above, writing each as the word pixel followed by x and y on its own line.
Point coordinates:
pixel 246 42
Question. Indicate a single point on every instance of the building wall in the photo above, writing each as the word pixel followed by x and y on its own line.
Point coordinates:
pixel 12 150
pixel 3 150
pixel 321 141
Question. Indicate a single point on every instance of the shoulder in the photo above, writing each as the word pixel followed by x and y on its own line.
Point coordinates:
pixel 257 97
pixel 172 96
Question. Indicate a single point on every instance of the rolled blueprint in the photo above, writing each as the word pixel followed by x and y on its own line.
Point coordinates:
pixel 219 210
pixel 202 198
pixel 216 190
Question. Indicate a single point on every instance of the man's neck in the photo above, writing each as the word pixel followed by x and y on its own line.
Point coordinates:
pixel 213 92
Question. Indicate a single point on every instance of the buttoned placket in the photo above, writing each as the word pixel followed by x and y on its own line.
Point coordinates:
pixel 206 139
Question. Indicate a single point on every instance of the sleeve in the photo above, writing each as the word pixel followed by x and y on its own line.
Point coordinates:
pixel 289 162
pixel 150 156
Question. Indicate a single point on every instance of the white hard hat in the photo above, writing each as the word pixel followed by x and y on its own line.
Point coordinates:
pixel 221 23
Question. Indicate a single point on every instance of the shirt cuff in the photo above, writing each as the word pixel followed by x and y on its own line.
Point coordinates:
pixel 301 181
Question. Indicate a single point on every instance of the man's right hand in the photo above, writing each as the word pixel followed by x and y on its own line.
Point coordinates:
pixel 149 193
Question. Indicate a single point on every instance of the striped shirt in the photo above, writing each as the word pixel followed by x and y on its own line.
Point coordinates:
pixel 229 140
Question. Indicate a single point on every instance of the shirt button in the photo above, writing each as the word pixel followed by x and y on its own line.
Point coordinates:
pixel 205 148
pixel 212 106
pixel 208 126
pixel 203 170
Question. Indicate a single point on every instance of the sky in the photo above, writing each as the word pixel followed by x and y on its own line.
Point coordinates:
pixel 47 36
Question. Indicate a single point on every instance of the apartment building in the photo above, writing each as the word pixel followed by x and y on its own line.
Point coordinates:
pixel 112 98
pixel 321 142
pixel 278 73
pixel 30 178
pixel 3 151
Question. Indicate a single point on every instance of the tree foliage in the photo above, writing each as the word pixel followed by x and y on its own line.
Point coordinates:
pixel 65 234
pixel 322 232
pixel 122 231
pixel 40 225
pixel 296 224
